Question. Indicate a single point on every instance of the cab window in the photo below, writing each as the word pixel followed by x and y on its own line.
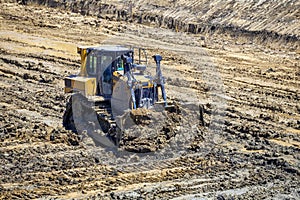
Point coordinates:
pixel 106 63
pixel 120 65
pixel 91 65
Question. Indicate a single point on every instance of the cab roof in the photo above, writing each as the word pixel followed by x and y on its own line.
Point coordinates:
pixel 106 48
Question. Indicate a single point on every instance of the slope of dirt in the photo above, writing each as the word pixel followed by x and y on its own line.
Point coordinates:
pixel 266 22
pixel 248 148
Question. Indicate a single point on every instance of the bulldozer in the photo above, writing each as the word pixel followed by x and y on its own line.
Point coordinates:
pixel 111 87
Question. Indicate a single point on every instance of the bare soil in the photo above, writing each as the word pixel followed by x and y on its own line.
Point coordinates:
pixel 243 68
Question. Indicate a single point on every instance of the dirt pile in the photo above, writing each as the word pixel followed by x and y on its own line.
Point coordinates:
pixel 151 130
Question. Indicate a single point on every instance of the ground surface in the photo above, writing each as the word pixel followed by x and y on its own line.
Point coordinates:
pixel 249 148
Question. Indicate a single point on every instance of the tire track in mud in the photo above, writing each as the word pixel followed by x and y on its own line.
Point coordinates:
pixel 9 56
pixel 36 167
pixel 105 180
pixel 270 89
pixel 266 119
pixel 39 75
pixel 109 183
pixel 186 182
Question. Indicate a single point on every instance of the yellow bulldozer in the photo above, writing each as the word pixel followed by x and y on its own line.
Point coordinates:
pixel 111 82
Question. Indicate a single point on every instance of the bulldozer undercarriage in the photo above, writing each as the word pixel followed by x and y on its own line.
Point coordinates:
pixel 140 130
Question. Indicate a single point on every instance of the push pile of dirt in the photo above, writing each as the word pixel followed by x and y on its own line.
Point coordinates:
pixel 151 130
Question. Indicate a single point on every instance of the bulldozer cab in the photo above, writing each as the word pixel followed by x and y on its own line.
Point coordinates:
pixel 101 63
pixel 101 66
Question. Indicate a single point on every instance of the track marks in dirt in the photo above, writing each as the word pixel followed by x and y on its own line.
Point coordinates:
pixel 260 162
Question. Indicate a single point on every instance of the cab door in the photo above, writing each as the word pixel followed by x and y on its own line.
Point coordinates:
pixel 105 74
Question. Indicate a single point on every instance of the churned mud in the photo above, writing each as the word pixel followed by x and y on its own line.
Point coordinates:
pixel 239 61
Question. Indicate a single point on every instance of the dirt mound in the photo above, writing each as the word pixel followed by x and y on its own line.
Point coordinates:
pixel 151 130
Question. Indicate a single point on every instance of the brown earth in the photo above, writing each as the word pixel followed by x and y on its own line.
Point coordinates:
pixel 239 59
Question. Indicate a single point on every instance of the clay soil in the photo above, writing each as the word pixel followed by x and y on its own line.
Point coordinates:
pixel 246 78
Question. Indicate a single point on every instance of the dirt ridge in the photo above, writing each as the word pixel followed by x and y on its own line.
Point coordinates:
pixel 248 19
